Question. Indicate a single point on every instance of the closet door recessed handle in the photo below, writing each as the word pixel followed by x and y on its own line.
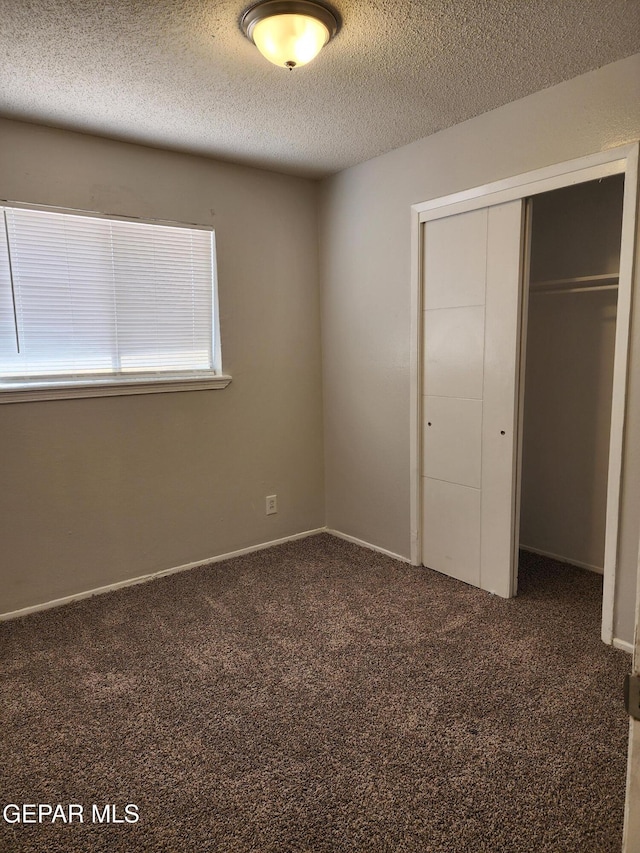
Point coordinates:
pixel 502 432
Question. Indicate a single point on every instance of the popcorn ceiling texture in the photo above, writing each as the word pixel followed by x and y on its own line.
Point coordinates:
pixel 317 697
pixel 179 74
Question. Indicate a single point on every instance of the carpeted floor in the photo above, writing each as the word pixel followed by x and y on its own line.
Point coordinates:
pixel 319 697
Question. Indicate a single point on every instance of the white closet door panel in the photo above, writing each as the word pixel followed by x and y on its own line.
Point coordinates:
pixel 447 510
pixel 501 364
pixel 453 440
pixel 471 342
pixel 454 352
pixel 454 260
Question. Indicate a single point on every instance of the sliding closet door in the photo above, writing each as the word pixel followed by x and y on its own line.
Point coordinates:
pixel 471 301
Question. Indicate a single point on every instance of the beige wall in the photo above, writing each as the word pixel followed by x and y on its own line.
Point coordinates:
pixel 94 491
pixel 567 419
pixel 365 280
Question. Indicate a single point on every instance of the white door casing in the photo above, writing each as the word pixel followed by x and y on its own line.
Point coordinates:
pixel 631 841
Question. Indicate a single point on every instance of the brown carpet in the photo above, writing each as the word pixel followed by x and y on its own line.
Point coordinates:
pixel 319 697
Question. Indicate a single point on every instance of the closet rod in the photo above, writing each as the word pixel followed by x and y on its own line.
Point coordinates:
pixel 556 290
pixel 606 278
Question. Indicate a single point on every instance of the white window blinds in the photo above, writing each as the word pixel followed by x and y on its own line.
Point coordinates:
pixel 87 297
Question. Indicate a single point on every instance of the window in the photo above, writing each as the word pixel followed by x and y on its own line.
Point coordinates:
pixel 92 305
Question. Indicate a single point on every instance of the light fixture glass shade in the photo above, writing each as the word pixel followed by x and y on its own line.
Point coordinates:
pixel 290 40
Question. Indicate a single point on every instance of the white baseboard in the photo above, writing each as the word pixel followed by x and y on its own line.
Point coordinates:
pixel 368 545
pixel 622 645
pixel 597 569
pixel 58 602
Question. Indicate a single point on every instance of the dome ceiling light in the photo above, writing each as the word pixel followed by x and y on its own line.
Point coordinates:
pixel 289 33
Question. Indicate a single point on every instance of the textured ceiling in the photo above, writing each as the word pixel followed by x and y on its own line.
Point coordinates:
pixel 179 74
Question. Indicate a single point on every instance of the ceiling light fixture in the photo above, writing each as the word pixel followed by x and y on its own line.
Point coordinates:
pixel 289 33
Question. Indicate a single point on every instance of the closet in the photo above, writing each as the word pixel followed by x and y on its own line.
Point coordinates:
pixel 574 238
pixel 521 316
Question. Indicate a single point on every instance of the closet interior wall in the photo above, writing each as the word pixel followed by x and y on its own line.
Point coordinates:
pixel 575 234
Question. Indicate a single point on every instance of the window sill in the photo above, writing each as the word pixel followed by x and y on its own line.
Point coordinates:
pixel 31 391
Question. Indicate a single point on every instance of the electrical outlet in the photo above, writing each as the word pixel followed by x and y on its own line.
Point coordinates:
pixel 272 504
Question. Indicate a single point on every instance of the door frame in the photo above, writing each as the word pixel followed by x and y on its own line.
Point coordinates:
pixel 631 832
pixel 623 160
